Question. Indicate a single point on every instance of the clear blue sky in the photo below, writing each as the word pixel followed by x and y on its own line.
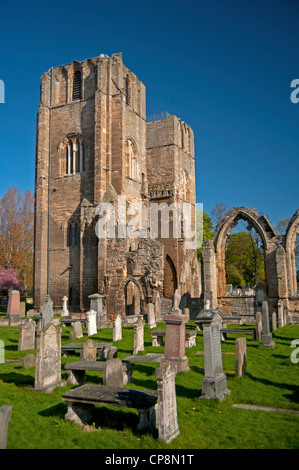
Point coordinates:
pixel 224 67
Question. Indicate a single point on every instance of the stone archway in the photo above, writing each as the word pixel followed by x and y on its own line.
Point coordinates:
pixel 170 278
pixel 269 242
pixel 290 242
pixel 130 298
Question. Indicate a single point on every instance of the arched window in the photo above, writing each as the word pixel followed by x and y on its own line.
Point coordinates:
pixel 76 241
pixel 132 170
pixel 77 85
pixel 74 155
pixel 73 234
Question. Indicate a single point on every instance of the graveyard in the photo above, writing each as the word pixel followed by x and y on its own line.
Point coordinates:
pixel 260 409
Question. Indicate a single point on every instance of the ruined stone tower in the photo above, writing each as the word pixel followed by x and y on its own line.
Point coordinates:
pixel 94 145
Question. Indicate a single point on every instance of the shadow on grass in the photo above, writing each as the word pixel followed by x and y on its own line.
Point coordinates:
pixel 293 396
pixel 17 379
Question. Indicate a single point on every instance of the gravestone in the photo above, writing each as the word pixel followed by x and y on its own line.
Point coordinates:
pixel 158 307
pixel 175 335
pixel 285 316
pixel 258 327
pixel 240 356
pixel 2 352
pixel 167 418
pixel 13 308
pixel 78 329
pixel 96 304
pixel 48 359
pixel 274 321
pixel 138 336
pixel 214 384
pixel 27 336
pixel 266 335
pixel 28 361
pixel 65 311
pixel 280 313
pixel 5 416
pixel 117 328
pixel 113 373
pixel 91 322
pixel 47 313
pixel 88 351
pixel 151 318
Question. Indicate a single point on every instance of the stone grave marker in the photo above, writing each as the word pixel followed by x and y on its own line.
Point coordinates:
pixel 27 336
pixel 266 335
pixel 113 373
pixel 258 327
pixel 89 351
pixel 167 418
pixel 2 352
pixel 96 304
pixel 240 356
pixel 5 416
pixel 48 359
pixel 117 328
pixel 13 308
pixel 138 336
pixel 91 322
pixel 78 329
pixel 280 313
pixel 151 318
pixel 274 321
pixel 65 311
pixel 214 384
pixel 47 313
pixel 158 307
pixel 28 361
pixel 175 335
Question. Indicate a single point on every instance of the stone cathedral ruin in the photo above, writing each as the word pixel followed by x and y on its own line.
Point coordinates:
pixel 96 145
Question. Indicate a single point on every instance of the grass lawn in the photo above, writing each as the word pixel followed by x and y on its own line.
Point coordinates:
pixel 271 380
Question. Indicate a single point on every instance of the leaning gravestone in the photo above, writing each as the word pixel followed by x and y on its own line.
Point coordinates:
pixel 151 318
pixel 113 373
pixel 167 418
pixel 138 336
pixel 47 313
pixel 88 351
pixel 91 322
pixel 117 328
pixel 5 416
pixel 48 359
pixel 240 356
pixel 266 335
pixel 214 384
pixel 27 336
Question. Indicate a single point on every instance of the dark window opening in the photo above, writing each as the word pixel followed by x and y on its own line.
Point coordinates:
pixel 77 85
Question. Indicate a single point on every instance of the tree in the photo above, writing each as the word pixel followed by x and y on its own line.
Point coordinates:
pixel 9 279
pixel 16 233
pixel 281 226
pixel 219 211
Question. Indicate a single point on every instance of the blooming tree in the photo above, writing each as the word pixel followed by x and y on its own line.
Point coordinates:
pixel 9 280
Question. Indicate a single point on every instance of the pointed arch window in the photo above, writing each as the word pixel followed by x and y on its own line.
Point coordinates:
pixel 74 155
pixel 73 234
pixel 132 170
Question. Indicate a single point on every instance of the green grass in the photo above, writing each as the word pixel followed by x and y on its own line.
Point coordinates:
pixel 271 380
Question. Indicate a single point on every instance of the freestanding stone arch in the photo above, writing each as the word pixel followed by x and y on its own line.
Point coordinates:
pixel 290 242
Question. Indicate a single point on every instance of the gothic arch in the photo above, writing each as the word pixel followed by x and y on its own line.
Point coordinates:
pixel 290 241
pixel 170 278
pixel 121 297
pixel 263 228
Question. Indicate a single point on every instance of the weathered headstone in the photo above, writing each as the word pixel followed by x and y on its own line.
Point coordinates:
pixel 167 418
pixel 65 311
pixel 78 329
pixel 274 321
pixel 174 350
pixel 280 313
pixel 240 356
pixel 88 351
pixel 117 328
pixel 2 352
pixel 27 336
pixel 13 308
pixel 151 318
pixel 28 361
pixel 91 322
pixel 138 336
pixel 5 416
pixel 48 359
pixel 214 384
pixel 47 313
pixel 258 327
pixel 113 373
pixel 158 306
pixel 266 335
pixel 96 304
